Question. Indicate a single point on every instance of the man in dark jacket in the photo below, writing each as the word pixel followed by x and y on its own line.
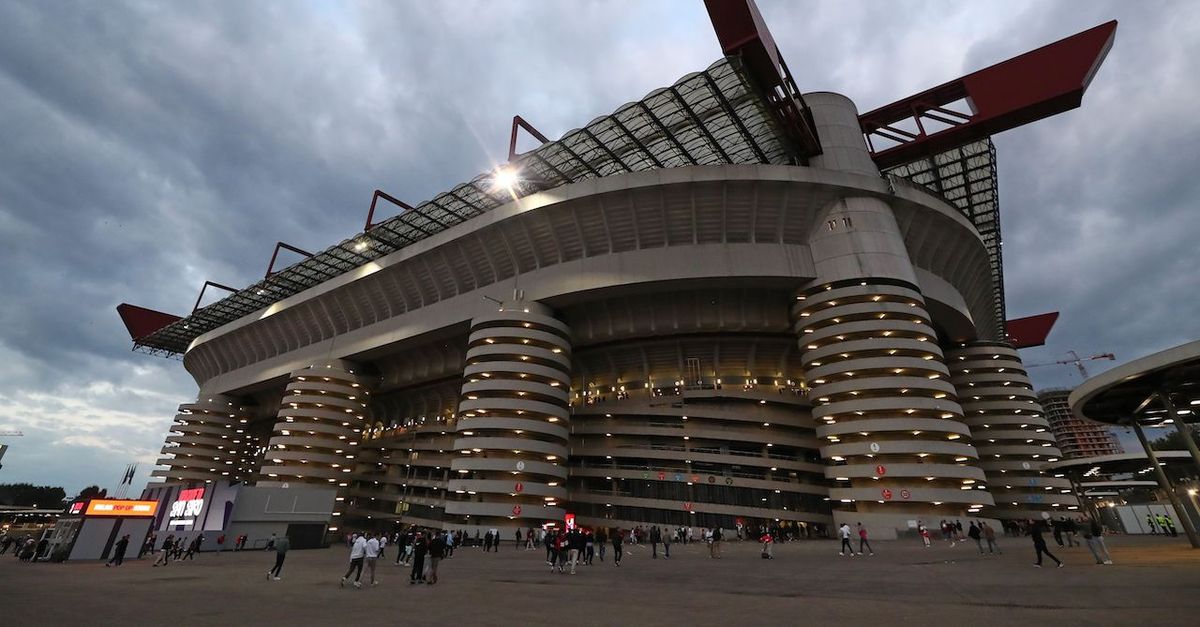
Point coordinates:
pixel 437 551
pixel 655 538
pixel 616 542
pixel 975 535
pixel 1039 543
pixel 119 551
pixel 420 548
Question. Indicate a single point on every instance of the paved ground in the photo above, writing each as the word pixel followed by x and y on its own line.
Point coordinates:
pixel 1153 583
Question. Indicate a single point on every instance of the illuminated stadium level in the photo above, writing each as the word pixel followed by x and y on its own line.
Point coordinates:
pixel 726 302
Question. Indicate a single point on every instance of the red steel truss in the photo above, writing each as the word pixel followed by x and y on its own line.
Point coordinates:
pixel 1023 89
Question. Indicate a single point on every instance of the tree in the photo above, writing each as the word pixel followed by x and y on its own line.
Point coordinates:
pixel 29 495
pixel 91 492
pixel 1173 441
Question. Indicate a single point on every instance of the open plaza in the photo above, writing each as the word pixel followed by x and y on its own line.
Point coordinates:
pixel 1153 581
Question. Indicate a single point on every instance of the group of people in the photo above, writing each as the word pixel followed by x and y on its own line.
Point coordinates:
pixel 844 533
pixel 421 549
pixel 175 549
pixel 25 548
pixel 1063 529
pixel 1161 523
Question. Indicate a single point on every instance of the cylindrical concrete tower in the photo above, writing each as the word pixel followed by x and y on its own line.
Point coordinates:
pixel 881 393
pixel 319 426
pixel 883 401
pixel 1009 429
pixel 208 441
pixel 512 419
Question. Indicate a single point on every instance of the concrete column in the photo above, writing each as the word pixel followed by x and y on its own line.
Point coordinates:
pixel 842 143
pixel 888 413
pixel 512 431
pixel 208 441
pixel 1182 426
pixel 319 426
pixel 1009 429
pixel 1165 484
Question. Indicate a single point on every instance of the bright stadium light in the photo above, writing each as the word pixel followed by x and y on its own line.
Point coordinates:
pixel 506 178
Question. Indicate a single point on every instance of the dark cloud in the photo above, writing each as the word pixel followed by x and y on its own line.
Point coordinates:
pixel 145 148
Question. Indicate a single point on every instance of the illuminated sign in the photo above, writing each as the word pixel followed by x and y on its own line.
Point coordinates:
pixel 104 507
pixel 570 520
pixel 77 507
pixel 187 507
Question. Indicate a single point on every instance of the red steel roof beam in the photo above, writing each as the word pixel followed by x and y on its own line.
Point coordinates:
pixel 742 33
pixel 141 322
pixel 1023 89
pixel 1030 331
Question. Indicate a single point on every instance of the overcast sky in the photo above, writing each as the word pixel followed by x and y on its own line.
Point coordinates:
pixel 148 146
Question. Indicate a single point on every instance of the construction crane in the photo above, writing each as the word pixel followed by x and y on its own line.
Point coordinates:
pixel 1077 360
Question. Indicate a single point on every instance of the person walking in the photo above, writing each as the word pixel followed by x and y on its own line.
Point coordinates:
pixel 1039 544
pixel 655 538
pixel 602 540
pixel 119 551
pixel 862 540
pixel 575 547
pixel 194 547
pixel 358 552
pixel 1093 535
pixel 666 540
pixel 1070 529
pixel 164 555
pixel 1150 523
pixel 420 546
pixel 589 550
pixel 374 549
pixel 989 534
pixel 923 531
pixel 844 532
pixel 1056 527
pixel 403 548
pixel 718 536
pixel 147 546
pixel 616 542
pixel 974 534
pixel 282 544
pixel 768 542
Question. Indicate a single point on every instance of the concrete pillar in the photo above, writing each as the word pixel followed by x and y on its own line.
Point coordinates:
pixel 842 143
pixel 512 428
pixel 208 441
pixel 1165 484
pixel 886 409
pixel 1181 425
pixel 1009 429
pixel 882 397
pixel 319 426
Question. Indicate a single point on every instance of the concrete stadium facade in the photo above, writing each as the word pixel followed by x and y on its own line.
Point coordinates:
pixel 694 345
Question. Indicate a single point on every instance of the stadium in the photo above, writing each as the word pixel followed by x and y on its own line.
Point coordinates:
pixel 727 303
